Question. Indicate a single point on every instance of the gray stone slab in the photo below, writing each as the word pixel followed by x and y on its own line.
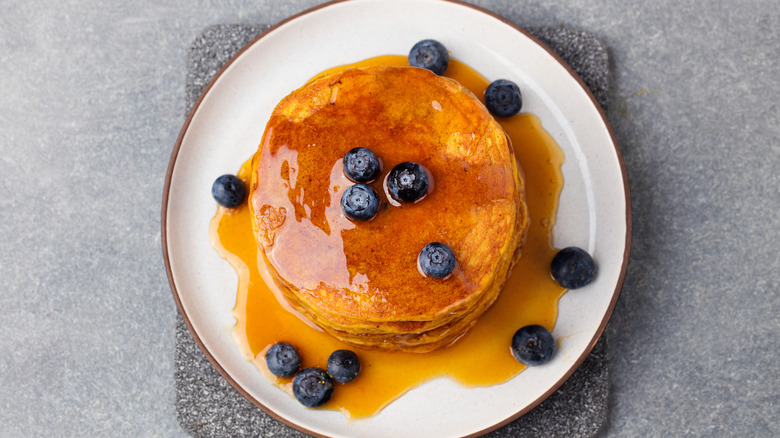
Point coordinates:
pixel 207 406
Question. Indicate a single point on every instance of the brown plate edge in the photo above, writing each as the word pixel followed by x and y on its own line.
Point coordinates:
pixel 239 388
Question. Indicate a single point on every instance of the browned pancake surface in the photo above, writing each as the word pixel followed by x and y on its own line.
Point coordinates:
pixel 362 278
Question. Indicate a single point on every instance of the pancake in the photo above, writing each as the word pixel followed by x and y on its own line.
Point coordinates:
pixel 359 280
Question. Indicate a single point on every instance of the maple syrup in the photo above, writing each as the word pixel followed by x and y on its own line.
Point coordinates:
pixel 480 358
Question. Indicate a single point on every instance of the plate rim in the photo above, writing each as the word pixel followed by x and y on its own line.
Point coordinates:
pixel 185 127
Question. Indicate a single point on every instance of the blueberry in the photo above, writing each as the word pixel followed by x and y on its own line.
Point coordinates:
pixel 572 268
pixel 282 359
pixel 312 387
pixel 407 182
pixel 360 202
pixel 361 165
pixel 431 55
pixel 436 260
pixel 229 191
pixel 533 345
pixel 503 98
pixel 343 366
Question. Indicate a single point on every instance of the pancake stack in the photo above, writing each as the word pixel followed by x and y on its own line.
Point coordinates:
pixel 359 280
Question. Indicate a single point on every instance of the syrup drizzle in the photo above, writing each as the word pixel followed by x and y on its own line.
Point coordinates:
pixel 480 358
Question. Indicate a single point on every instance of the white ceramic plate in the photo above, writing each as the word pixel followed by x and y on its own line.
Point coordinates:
pixel 225 128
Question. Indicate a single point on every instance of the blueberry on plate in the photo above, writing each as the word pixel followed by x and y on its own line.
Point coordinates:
pixel 436 260
pixel 282 359
pixel 533 345
pixel 572 268
pixel 503 98
pixel 229 191
pixel 430 55
pixel 312 387
pixel 360 202
pixel 361 165
pixel 343 366
pixel 407 182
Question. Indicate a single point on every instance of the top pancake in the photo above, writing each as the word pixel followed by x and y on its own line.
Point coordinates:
pixel 362 277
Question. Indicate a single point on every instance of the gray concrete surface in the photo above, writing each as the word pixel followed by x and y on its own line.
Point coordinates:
pixel 91 101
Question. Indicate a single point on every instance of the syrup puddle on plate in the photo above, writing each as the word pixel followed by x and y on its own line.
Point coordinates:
pixel 480 358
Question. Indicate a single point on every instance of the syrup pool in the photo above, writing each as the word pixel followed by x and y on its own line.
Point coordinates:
pixel 480 358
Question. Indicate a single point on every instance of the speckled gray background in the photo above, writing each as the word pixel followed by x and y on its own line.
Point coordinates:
pixel 91 102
